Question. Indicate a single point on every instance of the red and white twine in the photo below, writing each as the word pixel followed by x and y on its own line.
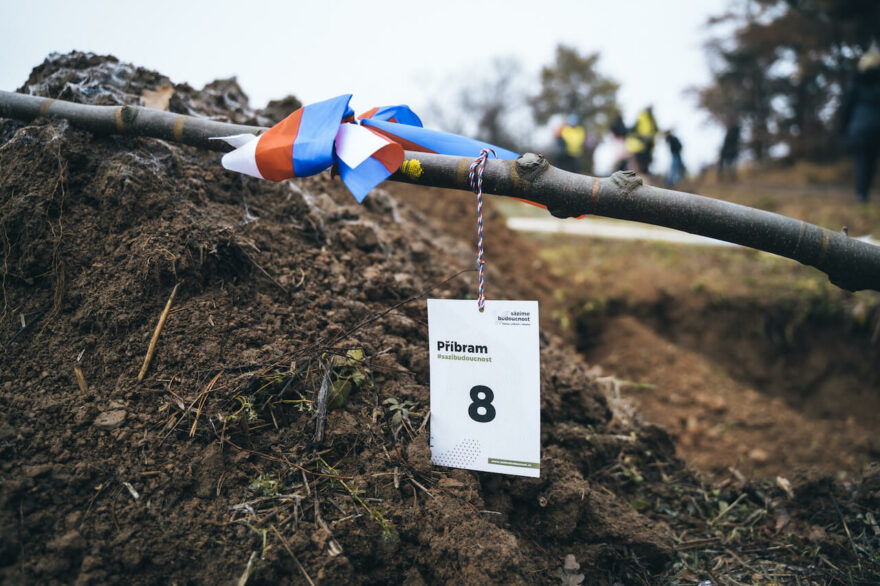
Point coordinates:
pixel 477 185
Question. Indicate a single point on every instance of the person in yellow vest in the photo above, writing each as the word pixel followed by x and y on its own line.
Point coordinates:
pixel 571 138
pixel 640 140
pixel 622 155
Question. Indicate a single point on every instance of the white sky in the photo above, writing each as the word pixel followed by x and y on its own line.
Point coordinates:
pixel 384 52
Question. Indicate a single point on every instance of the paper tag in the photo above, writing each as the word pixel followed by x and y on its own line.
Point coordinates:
pixel 485 386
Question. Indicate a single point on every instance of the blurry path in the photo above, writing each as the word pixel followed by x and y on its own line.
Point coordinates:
pixel 621 230
pixel 610 229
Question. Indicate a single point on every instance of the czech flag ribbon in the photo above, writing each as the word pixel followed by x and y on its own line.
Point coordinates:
pixel 366 150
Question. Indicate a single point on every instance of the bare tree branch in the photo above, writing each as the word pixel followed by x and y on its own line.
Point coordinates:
pixel 849 263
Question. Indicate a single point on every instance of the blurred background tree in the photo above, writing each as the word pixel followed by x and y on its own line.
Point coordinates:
pixel 489 103
pixel 780 67
pixel 493 104
pixel 503 104
pixel 573 85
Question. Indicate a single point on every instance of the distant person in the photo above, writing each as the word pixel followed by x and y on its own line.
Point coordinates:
pixel 860 115
pixel 729 152
pixel 676 166
pixel 586 160
pixel 571 138
pixel 618 140
pixel 640 141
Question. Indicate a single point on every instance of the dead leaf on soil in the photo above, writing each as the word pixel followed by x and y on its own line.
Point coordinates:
pixel 785 486
pixel 158 98
pixel 817 534
pixel 782 520
pixel 568 573
pixel 758 455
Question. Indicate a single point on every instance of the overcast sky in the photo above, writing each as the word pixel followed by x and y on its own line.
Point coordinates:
pixel 384 52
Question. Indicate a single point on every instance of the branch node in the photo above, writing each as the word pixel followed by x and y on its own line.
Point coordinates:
pixel 129 114
pixel 626 180
pixel 531 164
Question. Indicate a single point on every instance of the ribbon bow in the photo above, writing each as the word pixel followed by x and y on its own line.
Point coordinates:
pixel 366 150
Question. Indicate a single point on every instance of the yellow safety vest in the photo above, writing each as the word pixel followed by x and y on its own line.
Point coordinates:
pixel 634 144
pixel 645 125
pixel 638 140
pixel 574 136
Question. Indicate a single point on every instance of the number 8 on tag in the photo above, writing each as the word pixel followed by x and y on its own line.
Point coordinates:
pixel 483 404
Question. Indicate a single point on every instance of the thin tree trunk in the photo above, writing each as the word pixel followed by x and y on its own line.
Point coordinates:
pixel 849 263
pixel 130 120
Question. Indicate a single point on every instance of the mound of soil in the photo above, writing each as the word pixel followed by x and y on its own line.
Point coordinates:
pixel 212 469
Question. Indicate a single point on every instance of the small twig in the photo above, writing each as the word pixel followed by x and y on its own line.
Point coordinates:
pixel 264 271
pixel 202 398
pixel 181 418
pixel 848 534
pixel 869 516
pixel 287 385
pixel 739 560
pixel 828 562
pixel 321 402
pixel 34 320
pixel 131 490
pixel 81 379
pixel 151 350
pixel 348 518
pixel 727 510
pixel 424 421
pixel 333 547
pixel 247 571
pixel 290 551
pixel 415 482
pixel 696 543
pixel 245 428
pixel 92 500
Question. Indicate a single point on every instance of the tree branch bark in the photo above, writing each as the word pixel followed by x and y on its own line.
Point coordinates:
pixel 849 263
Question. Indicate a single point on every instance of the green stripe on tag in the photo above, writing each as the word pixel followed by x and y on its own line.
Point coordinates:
pixel 514 463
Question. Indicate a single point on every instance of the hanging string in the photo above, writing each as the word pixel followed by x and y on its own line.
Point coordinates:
pixel 475 176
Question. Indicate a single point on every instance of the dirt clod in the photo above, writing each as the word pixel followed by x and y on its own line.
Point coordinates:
pixel 110 419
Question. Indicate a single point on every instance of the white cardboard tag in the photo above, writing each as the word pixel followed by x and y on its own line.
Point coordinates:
pixel 485 386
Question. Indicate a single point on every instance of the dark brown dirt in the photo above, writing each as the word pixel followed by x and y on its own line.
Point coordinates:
pixel 207 471
pixel 719 422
